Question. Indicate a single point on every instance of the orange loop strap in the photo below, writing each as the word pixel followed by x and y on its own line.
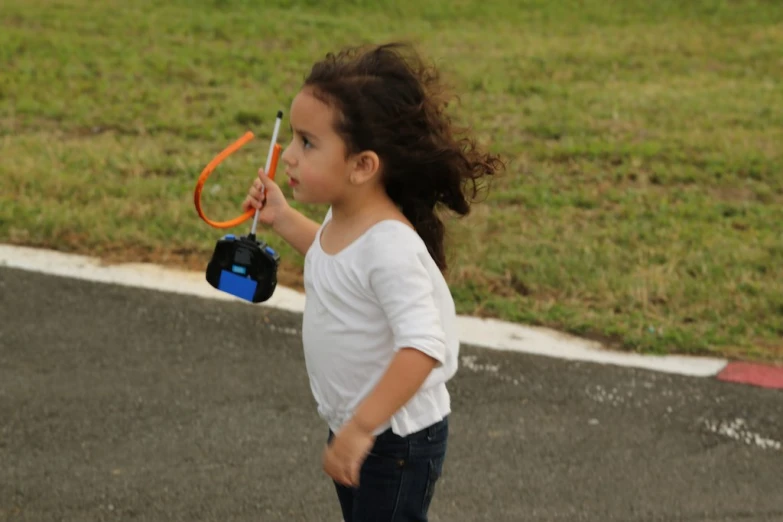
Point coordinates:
pixel 217 160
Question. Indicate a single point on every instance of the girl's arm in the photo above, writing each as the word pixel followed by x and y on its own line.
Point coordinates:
pixel 406 373
pixel 343 457
pixel 399 277
pixel 296 229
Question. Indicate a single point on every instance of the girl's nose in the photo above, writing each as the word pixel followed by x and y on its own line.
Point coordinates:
pixel 287 156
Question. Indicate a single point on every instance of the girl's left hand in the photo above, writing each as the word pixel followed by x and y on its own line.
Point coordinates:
pixel 345 454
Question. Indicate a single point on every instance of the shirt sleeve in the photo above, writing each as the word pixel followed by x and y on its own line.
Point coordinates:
pixel 404 288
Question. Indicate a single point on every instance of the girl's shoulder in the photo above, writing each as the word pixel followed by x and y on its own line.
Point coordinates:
pixel 391 234
pixel 393 244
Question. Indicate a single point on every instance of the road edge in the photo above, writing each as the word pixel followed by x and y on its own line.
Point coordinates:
pixel 485 333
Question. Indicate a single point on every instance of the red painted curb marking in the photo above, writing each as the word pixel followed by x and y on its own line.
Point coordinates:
pixel 754 374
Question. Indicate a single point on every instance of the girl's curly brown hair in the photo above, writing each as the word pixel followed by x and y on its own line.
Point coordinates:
pixel 389 101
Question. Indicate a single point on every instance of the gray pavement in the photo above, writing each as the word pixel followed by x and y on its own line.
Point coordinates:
pixel 127 404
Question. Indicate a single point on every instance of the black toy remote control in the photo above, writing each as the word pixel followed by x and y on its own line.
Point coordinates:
pixel 244 267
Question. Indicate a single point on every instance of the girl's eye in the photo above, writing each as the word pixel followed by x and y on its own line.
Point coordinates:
pixel 306 143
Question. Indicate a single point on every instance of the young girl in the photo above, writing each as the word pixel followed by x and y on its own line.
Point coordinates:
pixel 371 140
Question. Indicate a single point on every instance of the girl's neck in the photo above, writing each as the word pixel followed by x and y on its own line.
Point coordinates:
pixel 369 207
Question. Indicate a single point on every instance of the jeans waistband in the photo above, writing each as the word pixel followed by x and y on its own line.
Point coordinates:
pixel 427 433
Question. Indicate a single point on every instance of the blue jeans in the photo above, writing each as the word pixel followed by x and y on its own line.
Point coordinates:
pixel 397 479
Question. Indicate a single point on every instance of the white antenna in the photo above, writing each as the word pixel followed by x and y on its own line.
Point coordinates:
pixel 272 143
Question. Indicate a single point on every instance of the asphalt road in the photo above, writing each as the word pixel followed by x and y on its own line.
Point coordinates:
pixel 127 404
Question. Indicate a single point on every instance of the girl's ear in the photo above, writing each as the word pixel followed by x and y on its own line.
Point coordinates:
pixel 366 167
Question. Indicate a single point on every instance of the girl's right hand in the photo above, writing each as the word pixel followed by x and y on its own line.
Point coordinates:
pixel 266 195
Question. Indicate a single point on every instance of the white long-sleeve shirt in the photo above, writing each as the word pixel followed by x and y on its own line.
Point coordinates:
pixel 381 293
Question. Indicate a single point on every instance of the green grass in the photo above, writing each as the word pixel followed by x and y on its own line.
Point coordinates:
pixel 643 201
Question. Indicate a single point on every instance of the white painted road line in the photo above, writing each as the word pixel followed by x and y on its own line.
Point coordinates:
pixel 487 333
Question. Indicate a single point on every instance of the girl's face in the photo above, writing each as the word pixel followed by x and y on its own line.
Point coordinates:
pixel 315 160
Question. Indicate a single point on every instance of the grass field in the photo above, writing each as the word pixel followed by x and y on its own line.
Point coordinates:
pixel 643 200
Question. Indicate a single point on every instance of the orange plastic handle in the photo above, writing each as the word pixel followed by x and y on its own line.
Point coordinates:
pixel 217 160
